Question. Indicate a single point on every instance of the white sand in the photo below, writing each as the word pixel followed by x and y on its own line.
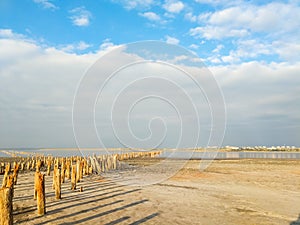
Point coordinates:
pixel 229 192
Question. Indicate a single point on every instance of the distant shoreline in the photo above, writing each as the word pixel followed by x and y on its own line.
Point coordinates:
pixel 185 154
pixel 208 149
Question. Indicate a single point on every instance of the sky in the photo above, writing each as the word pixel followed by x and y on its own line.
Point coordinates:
pixel 251 48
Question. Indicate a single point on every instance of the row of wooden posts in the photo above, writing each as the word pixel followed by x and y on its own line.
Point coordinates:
pixel 71 168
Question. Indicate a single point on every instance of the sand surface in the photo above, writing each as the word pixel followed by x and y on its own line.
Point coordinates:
pixel 228 192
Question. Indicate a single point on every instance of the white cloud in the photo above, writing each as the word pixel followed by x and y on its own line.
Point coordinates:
pixel 250 49
pixel 82 45
pixel 8 33
pixel 190 17
pixel 132 4
pixel 150 16
pixel 214 60
pixel 74 47
pixel 44 81
pixel 194 46
pixel 255 99
pixel 211 32
pixel 274 18
pixel 203 17
pixel 218 48
pixel 222 3
pixel 80 16
pixel 46 4
pixel 38 85
pixel 231 58
pixel 289 51
pixel 172 40
pixel 173 6
pixel 107 44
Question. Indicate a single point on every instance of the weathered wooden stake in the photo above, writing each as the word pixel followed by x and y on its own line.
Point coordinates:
pixel 73 178
pixel 68 169
pixel 38 165
pixel 36 180
pixel 91 170
pixel 54 177
pixel 6 215
pixel 41 200
pixel 5 177
pixel 48 167
pixel 115 162
pixel 58 184
pixel 63 169
pixel 81 170
pixel 8 167
pixel 22 166
pixel 78 171
pixel 28 165
pixel 33 165
pixel 84 167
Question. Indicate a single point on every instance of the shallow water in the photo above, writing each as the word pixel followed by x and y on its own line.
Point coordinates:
pixel 232 155
pixel 176 154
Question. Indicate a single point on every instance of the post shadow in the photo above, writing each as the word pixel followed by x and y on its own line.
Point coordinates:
pixel 83 220
pixel 296 222
pixel 93 200
pixel 82 211
pixel 143 220
pixel 114 222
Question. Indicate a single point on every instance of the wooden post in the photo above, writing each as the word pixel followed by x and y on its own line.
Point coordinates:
pixel 10 183
pixel 8 167
pixel 54 177
pixel 48 167
pixel 6 215
pixel 77 171
pixel 84 167
pixel 87 167
pixel 81 170
pixel 73 178
pixel 38 165
pixel 103 164
pixel 36 180
pixel 41 200
pixel 28 165
pixel 33 164
pixel 22 166
pixel 109 162
pixel 68 169
pixel 2 167
pixel 115 162
pixel 58 184
pixel 63 169
pixel 91 169
pixel 5 177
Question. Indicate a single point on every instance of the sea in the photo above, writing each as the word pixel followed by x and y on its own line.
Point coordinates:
pixel 166 153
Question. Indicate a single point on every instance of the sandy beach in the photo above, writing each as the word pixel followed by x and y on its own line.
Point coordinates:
pixel 228 192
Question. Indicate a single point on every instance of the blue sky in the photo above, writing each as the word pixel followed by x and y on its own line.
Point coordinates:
pixel 251 47
pixel 225 31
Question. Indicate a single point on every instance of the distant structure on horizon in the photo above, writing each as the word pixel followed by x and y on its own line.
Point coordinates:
pixel 262 148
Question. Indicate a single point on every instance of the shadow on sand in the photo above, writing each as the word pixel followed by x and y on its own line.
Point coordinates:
pixel 102 201
pixel 297 222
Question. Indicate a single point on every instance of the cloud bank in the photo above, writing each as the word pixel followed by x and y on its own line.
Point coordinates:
pixel 38 84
